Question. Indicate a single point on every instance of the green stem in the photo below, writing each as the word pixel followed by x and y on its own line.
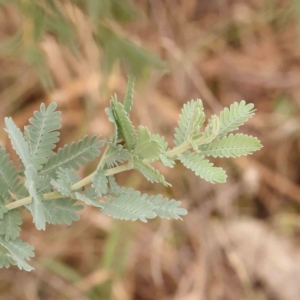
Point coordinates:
pixel 87 180
pixel 179 149
pixel 18 203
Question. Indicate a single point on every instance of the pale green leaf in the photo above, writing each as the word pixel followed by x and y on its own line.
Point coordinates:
pixel 111 118
pixel 149 172
pixel 3 210
pixel 6 259
pixel 116 155
pixel 190 121
pixel 43 184
pixel 233 117
pixel 36 206
pixel 203 167
pixel 43 134
pixel 18 141
pixel 10 225
pixel 73 155
pixel 210 133
pixel 90 197
pixel 128 100
pixel 125 127
pixel 166 208
pixel 9 181
pixel 99 183
pixel 65 179
pixel 146 147
pixel 164 158
pixel 129 207
pixel 116 189
pixel 63 210
pixel 232 146
pixel 19 252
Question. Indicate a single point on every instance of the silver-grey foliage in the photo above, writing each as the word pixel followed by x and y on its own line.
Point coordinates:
pixel 51 190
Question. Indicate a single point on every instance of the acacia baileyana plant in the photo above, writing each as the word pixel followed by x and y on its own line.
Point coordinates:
pixel 48 187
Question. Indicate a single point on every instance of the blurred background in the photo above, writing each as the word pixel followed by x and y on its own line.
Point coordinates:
pixel 241 239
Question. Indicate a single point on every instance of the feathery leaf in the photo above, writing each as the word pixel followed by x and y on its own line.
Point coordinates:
pixel 9 181
pixel 36 206
pixel 203 167
pixel 99 183
pixel 65 179
pixel 3 211
pixel 149 172
pixel 43 134
pixel 115 155
pixel 236 115
pixel 73 155
pixel 164 158
pixel 10 225
pixel 43 184
pixel 120 190
pixel 166 208
pixel 89 196
pixel 63 210
pixel 19 252
pixel 111 118
pixel 131 205
pixel 129 94
pixel 18 141
pixel 232 146
pixel 125 127
pixel 211 131
pixel 146 147
pixel 5 258
pixel 190 121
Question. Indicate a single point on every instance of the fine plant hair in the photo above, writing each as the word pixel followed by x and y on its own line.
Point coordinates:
pixel 47 185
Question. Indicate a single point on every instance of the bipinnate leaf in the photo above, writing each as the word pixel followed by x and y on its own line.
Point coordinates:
pixel 18 141
pixel 89 196
pixel 10 225
pixel 129 207
pixel 36 205
pixel 128 100
pixel 43 184
pixel 125 127
pixel 166 208
pixel 60 211
pixel 119 190
pixel 111 118
pixel 203 168
pixel 115 155
pixel 18 251
pixel 210 133
pixel 43 134
pixel 132 205
pixel 73 155
pixel 3 211
pixel 212 129
pixel 9 181
pixel 146 147
pixel 99 183
pixel 5 258
pixel 190 121
pixel 149 172
pixel 233 117
pixel 42 171
pixel 164 158
pixel 65 179
pixel 232 146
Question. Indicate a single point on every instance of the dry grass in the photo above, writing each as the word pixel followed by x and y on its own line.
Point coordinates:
pixel 240 239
